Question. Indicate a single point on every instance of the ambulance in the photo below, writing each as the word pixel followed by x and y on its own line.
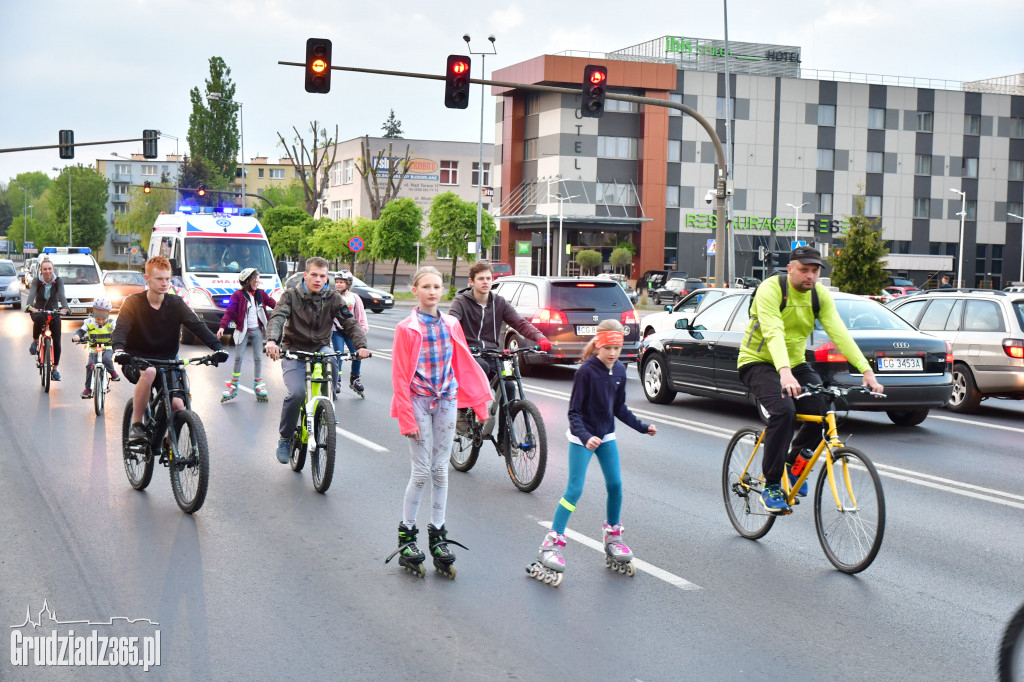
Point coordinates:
pixel 208 247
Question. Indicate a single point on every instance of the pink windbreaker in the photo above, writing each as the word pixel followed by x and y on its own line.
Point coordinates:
pixel 474 389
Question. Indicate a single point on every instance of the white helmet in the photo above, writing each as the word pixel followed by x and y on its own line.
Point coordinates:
pixel 101 304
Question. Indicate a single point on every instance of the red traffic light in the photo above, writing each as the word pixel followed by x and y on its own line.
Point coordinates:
pixel 595 79
pixel 598 77
pixel 202 190
pixel 456 82
pixel 459 67
pixel 147 187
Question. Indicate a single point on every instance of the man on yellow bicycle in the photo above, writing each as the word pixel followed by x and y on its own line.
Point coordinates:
pixel 309 309
pixel 772 364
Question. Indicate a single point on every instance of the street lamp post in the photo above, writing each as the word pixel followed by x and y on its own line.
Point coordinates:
pixel 219 97
pixel 480 165
pixel 963 217
pixel 70 242
pixel 796 222
pixel 1020 277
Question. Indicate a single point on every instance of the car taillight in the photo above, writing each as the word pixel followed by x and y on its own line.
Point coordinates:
pixel 629 317
pixel 828 353
pixel 949 353
pixel 547 316
pixel 1014 348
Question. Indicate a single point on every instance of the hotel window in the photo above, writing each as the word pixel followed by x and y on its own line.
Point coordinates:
pixel 616 147
pixel 615 194
pixel 921 206
pixel 276 173
pixel 826 159
pixel 924 121
pixel 972 209
pixel 1017 127
pixel 532 104
pixel 720 107
pixel 923 164
pixel 1016 208
pixel 675 150
pixel 823 204
pixel 872 205
pixel 449 172
pixel 530 149
pixel 826 114
pixel 335 210
pixel 346 171
pixel 972 124
pixel 875 160
pixel 970 167
pixel 148 169
pixel 676 97
pixel 672 196
pixel 346 208
pixel 1016 170
pixel 620 106
pixel 474 176
pixel 876 119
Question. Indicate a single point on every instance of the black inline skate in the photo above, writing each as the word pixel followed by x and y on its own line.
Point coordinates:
pixel 409 555
pixel 443 557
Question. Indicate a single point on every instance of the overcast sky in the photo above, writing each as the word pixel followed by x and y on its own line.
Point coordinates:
pixel 109 68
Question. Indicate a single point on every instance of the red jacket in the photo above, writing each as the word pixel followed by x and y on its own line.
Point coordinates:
pixel 238 306
pixel 474 389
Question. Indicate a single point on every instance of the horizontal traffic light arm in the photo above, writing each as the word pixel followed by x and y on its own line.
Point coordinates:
pixel 211 191
pixel 76 144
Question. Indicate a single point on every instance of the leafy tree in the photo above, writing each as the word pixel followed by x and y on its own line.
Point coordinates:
pixel 588 259
pixel 399 228
pixel 331 237
pixel 453 227
pixel 276 218
pixel 858 267
pixel 193 172
pixel 213 129
pixel 36 182
pixel 621 258
pixel 290 240
pixel 143 210
pixel 392 127
pixel 280 197
pixel 6 215
pixel 89 195
pixel 628 245
pixel 313 163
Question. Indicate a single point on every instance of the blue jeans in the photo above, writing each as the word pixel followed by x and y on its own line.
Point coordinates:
pixel 340 343
pixel 579 459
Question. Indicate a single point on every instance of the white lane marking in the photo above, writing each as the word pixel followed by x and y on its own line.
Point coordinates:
pixel 659 573
pixel 965 493
pixel 377 326
pixel 974 423
pixel 907 472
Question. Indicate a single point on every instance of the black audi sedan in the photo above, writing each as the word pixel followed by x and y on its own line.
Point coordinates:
pixel 699 357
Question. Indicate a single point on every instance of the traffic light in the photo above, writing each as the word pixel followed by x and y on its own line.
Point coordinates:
pixel 66 139
pixel 147 187
pixel 595 79
pixel 456 82
pixel 201 191
pixel 149 144
pixel 318 65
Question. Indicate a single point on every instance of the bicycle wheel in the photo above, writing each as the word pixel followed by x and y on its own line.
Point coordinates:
pixel 321 464
pixel 1011 650
pixel 190 470
pixel 139 473
pixel 851 533
pixel 742 491
pixel 466 447
pixel 99 388
pixel 47 364
pixel 527 453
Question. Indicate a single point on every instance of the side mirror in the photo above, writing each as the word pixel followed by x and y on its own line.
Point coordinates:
pixel 682 323
pixel 175 267
pixel 282 269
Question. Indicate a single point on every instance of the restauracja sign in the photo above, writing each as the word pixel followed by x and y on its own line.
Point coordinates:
pixel 749 222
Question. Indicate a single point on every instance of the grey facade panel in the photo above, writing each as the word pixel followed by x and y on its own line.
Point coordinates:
pixel 986 126
pixel 739 200
pixel 577 145
pixel 873 184
pixel 938 165
pixel 999 215
pixel 807 198
pixel 889 164
pixel 972 146
pixel 826 137
pixel 925 100
pixel 775 147
pixel 876 140
pixel 742 112
pixel 691 100
pixel 892 119
pixel 720 129
pixel 910 119
pixel 674 174
pixel 620 170
pixel 842 159
pixel 969 185
pixel 531 127
pixel 923 143
pixel 824 182
pixel 618 124
pixel 1016 150
pixel 919 236
pixel 530 169
pixel 707 152
pixel 972 103
pixel 876 96
pixel 675 127
pixel 687 197
pixel 689 151
pixel 922 186
pixel 956 164
pixel 810 114
pixel 1017 106
pixel 1003 127
pixel 672 219
pixel 935 209
pixel 1015 191
pixel 827 92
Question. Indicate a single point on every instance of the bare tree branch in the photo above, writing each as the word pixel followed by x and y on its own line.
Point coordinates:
pixel 312 166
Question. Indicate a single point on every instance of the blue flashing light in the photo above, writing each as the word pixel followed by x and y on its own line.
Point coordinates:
pixel 207 209
pixel 50 249
pixel 247 211
pixel 185 208
pixel 67 249
pixel 229 210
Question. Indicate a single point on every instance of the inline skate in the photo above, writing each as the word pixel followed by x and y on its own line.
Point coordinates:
pixel 443 557
pixel 260 389
pixel 232 390
pixel 549 566
pixel 617 555
pixel 409 555
pixel 356 385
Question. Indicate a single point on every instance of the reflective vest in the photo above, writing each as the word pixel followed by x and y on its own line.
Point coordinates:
pixel 98 334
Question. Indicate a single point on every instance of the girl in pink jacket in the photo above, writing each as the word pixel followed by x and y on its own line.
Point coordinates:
pixel 433 373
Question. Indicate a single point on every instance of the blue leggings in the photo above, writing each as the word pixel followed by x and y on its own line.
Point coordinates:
pixel 579 459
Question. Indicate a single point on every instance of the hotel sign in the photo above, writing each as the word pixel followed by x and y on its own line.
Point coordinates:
pixel 697 47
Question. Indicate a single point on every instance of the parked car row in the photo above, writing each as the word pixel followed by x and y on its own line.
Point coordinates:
pixel 373 299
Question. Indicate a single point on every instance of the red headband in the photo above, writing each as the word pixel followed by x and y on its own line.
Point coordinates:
pixel 608 337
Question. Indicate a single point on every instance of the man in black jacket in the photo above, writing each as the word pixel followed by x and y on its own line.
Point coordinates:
pixel 149 325
pixel 46 293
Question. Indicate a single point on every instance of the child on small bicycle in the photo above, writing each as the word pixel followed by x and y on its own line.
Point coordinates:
pixel 433 373
pixel 598 398
pixel 96 331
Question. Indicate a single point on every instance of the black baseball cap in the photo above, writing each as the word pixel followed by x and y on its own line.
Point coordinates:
pixel 807 255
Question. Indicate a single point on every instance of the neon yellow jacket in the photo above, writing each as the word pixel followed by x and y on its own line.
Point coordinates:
pixel 781 337
pixel 95 332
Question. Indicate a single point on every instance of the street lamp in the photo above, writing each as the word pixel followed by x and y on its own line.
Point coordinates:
pixel 218 97
pixel 69 203
pixel 796 223
pixel 963 217
pixel 480 165
pixel 1020 278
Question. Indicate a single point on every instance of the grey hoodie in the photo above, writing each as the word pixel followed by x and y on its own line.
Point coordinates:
pixel 482 323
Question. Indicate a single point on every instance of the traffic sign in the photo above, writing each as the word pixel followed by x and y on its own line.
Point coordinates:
pixel 356 244
pixel 712 248
pixel 29 245
pixel 793 244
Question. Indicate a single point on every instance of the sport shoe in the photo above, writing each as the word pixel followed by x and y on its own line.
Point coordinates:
pixel 33 349
pixel 774 501
pixel 86 394
pixel 284 447
pixel 54 374
pixel 137 432
pixel 792 481
pixel 114 376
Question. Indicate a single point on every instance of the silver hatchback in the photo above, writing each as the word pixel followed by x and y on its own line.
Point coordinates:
pixel 985 328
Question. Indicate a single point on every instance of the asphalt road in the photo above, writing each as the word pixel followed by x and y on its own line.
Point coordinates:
pixel 270 580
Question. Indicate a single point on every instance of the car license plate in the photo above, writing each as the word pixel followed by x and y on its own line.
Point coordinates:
pixel 586 330
pixel 899 364
pixel 77 311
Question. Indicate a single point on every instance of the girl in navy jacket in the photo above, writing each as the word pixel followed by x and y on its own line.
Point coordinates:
pixel 598 397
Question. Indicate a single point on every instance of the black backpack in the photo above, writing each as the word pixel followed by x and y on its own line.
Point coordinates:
pixel 784 285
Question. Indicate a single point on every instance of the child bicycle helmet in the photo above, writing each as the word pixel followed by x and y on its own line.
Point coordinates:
pixel 244 275
pixel 102 304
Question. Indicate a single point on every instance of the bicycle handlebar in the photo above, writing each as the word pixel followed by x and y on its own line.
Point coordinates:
pixel 836 391
pixel 495 353
pixel 143 363
pixel 313 355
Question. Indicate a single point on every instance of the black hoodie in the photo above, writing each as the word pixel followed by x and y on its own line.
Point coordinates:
pixel 481 323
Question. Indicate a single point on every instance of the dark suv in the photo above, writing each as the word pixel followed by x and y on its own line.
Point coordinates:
pixel 567 311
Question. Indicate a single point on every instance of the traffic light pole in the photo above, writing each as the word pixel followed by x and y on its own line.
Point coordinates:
pixel 76 144
pixel 720 184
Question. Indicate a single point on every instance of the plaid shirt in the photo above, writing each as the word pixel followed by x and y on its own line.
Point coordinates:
pixel 435 375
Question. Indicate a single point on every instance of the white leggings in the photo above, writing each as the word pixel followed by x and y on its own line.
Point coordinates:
pixel 435 418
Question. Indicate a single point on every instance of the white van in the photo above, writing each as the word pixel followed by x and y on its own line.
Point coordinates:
pixel 208 247
pixel 81 274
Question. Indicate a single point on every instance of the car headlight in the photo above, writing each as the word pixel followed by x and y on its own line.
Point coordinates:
pixel 15 285
pixel 200 298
